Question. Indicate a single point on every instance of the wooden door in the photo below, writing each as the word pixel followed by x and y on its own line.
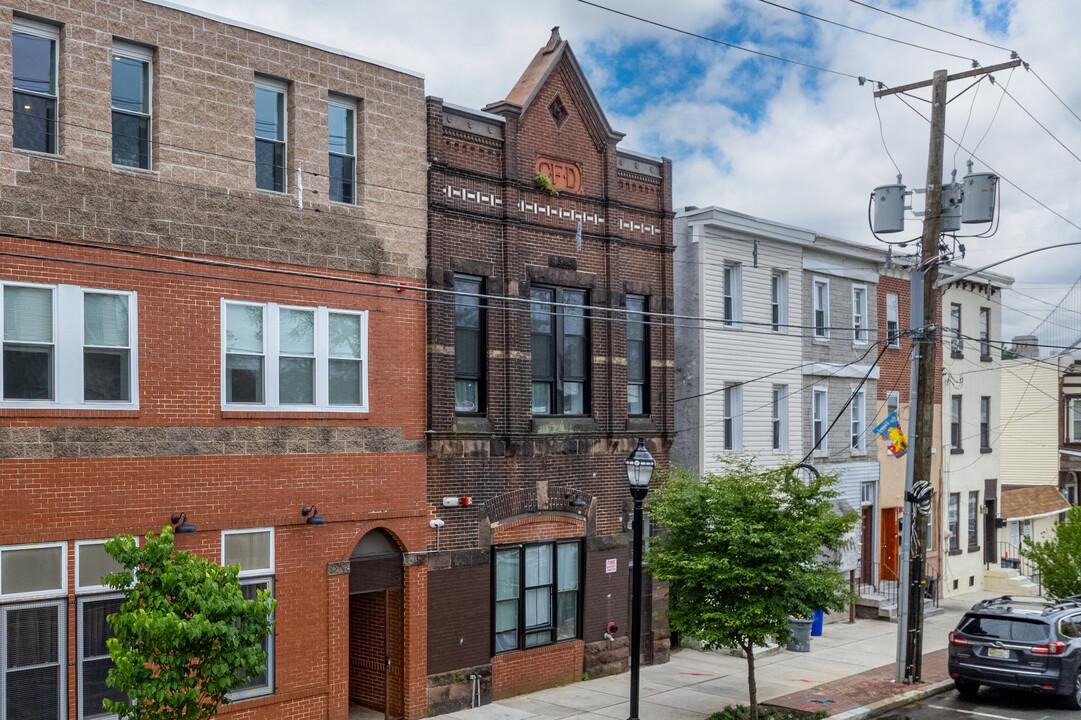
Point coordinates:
pixel 891 542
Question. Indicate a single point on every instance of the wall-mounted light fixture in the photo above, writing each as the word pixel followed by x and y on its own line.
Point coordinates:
pixel 181 526
pixel 574 500
pixel 316 518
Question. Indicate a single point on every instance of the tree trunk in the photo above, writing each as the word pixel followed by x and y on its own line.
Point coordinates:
pixel 752 688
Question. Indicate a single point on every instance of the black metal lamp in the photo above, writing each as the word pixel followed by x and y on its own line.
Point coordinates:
pixel 181 526
pixel 315 518
pixel 640 466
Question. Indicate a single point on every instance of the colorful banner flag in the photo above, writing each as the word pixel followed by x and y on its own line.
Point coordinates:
pixel 890 431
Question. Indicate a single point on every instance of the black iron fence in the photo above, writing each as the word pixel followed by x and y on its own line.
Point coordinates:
pixel 882 580
pixel 1010 558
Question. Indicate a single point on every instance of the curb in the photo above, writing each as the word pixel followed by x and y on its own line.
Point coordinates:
pixel 882 706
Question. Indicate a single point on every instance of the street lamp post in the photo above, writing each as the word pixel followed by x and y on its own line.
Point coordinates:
pixel 640 466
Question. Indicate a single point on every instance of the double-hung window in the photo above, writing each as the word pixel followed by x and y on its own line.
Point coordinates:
pixel 131 105
pixel 537 598
pixel 955 424
pixel 279 357
pixel 893 336
pixel 343 158
pixel 67 346
pixel 270 119
pixel 732 280
pixel 819 419
pixel 779 424
pixel 857 414
pixel 859 314
pixel 973 520
pixel 469 343
pixel 253 551
pixel 33 631
pixel 957 345
pixel 637 356
pixel 559 328
pixel 953 522
pixel 95 601
pixel 985 334
pixel 1073 420
pixel 985 424
pixel 778 301
pixel 34 61
pixel 820 302
pixel 733 416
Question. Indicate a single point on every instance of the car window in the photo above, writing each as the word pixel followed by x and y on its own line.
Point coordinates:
pixel 1068 626
pixel 1000 628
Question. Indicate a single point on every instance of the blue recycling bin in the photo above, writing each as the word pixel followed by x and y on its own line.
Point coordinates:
pixel 816 624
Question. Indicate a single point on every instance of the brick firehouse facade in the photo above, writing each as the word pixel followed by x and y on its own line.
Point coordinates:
pixel 549 247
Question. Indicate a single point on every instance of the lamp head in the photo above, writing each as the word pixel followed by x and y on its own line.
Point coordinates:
pixel 181 526
pixel 315 518
pixel 640 466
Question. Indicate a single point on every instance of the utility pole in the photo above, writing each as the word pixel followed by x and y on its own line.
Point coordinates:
pixel 924 379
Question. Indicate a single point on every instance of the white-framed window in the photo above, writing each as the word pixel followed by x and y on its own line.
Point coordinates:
pixel 733 302
pixel 66 346
pixel 868 492
pixel 34 58
pixel 92 564
pixel 33 571
pixel 33 659
pixel 779 423
pixel 819 419
pixel 893 402
pixel 857 415
pixel 733 421
pixel 93 631
pixel 132 77
pixel 955 423
pixel 820 303
pixel 957 344
pixel 1073 420
pixel 341 122
pixel 893 335
pixel 985 334
pixel 283 357
pixel 778 301
pixel 270 133
pixel 253 550
pixel 859 314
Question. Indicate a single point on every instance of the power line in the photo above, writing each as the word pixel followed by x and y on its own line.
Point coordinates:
pixel 864 32
pixel 1042 126
pixel 1068 108
pixel 715 41
pixel 930 27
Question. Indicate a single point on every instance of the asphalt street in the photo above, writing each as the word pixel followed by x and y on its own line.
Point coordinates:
pixel 990 705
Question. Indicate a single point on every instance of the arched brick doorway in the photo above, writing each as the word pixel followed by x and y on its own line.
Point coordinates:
pixel 376 628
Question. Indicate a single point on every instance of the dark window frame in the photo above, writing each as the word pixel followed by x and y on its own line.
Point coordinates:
pixel 953 522
pixel 556 346
pixel 521 629
pixel 985 424
pixel 480 339
pixel 642 321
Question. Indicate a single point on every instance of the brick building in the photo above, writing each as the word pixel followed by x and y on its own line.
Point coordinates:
pixel 543 370
pixel 213 245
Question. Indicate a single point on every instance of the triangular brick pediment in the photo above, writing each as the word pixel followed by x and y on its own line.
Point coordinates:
pixel 556 59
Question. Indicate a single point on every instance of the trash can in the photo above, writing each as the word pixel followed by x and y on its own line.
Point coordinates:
pixel 799 634
pixel 816 624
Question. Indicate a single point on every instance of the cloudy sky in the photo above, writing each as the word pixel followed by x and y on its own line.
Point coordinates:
pixel 778 140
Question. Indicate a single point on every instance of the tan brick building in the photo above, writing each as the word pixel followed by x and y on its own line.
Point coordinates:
pixel 212 256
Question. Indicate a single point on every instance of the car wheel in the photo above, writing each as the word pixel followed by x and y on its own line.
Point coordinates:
pixel 966 688
pixel 1073 700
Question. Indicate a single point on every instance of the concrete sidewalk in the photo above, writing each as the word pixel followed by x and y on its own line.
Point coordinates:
pixel 694 684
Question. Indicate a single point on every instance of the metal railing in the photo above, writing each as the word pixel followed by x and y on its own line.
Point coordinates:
pixel 1010 559
pixel 882 580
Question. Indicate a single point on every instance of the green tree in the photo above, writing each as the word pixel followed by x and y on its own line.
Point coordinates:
pixel 185 635
pixel 743 549
pixel 1058 559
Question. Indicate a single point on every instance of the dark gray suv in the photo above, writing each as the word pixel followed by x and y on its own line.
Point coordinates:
pixel 1020 643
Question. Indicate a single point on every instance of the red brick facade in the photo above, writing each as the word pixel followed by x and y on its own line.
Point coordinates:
pixel 545 475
